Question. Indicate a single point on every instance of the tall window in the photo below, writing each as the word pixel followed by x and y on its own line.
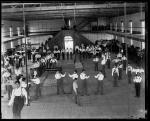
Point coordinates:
pixel 122 26
pixel 130 26
pixel 18 31
pixel 131 41
pixel 143 27
pixel 116 26
pixel 143 45
pixel 122 39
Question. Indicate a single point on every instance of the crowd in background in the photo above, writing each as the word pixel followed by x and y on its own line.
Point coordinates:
pixel 101 54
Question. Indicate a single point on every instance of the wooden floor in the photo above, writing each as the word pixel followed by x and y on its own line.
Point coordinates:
pixel 117 102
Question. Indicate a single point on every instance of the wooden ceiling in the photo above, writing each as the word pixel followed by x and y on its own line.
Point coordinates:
pixel 53 10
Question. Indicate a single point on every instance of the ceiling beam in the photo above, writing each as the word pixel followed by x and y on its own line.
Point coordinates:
pixel 68 7
pixel 69 11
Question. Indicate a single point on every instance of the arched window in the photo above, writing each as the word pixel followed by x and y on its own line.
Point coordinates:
pixel 143 27
pixel 68 42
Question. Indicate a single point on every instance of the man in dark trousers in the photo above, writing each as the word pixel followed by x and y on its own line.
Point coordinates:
pixel 18 100
pixel 129 73
pixel 100 78
pixel 20 60
pixel 75 92
pixel 67 51
pixel 120 71
pixel 58 77
pixel 37 82
pixel 108 61
pixel 124 61
pixel 137 80
pixel 63 54
pixel 73 76
pixel 96 60
pixel 103 63
pixel 58 53
pixel 71 53
pixel 115 74
pixel 84 78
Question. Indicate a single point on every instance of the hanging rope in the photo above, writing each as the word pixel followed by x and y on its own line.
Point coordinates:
pixel 75 14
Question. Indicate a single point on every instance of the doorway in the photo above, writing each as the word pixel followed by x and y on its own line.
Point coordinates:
pixel 68 42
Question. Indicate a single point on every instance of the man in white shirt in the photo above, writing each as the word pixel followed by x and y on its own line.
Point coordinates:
pixel 18 100
pixel 36 80
pixel 115 74
pixel 84 78
pixel 73 76
pixel 18 72
pixel 9 86
pixel 59 77
pixel 137 80
pixel 100 78
pixel 53 61
pixel 96 60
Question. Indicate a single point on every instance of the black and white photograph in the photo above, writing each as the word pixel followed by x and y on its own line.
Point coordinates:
pixel 74 59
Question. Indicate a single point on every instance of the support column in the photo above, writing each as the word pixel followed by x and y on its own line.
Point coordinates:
pixel 11 31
